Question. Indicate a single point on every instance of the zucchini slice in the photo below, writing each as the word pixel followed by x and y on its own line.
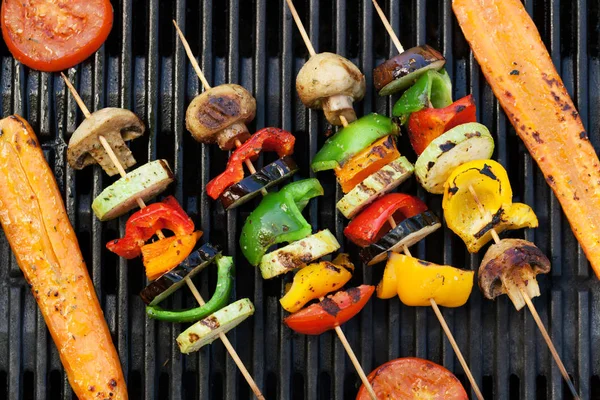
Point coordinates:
pixel 461 144
pixel 408 232
pixel 298 254
pixel 375 186
pixel 208 329
pixel 249 187
pixel 145 182
pixel 170 282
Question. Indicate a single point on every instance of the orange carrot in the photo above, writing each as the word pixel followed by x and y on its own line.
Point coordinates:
pixel 517 66
pixel 37 227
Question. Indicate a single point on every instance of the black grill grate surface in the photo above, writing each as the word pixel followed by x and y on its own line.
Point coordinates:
pixel 255 43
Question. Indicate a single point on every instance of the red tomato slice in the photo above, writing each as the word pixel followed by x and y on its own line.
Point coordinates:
pixel 333 311
pixel 413 379
pixel 55 35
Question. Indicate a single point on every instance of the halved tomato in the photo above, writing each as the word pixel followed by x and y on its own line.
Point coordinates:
pixel 55 35
pixel 413 379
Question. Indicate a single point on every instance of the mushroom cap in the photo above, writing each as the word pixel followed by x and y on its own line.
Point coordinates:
pixel 504 258
pixel 116 125
pixel 217 109
pixel 327 74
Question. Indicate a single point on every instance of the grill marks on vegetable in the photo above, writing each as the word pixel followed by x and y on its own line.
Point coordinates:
pixel 217 110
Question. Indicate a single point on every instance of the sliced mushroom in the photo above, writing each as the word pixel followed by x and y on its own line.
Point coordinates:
pixel 333 83
pixel 116 125
pixel 220 115
pixel 511 266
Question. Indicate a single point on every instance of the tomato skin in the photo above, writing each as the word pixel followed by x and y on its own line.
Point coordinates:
pixel 413 379
pixel 333 311
pixel 59 36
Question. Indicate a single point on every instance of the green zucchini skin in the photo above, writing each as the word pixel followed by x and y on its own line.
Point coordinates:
pixel 374 186
pixel 408 232
pixel 298 254
pixel 171 281
pixel 208 330
pixel 219 299
pixel 251 186
pixel 461 144
pixel 145 182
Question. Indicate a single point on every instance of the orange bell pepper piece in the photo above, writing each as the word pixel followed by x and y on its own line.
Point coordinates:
pixel 367 162
pixel 165 254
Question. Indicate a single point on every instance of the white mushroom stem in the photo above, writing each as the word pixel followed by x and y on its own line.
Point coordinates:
pixel 519 282
pixel 338 107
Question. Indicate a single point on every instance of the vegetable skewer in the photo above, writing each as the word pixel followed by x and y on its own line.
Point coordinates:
pixel 252 170
pixel 159 233
pixel 446 329
pixel 207 86
pixel 531 307
pixel 342 118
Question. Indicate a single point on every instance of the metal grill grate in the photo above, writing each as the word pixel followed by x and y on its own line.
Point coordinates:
pixel 255 43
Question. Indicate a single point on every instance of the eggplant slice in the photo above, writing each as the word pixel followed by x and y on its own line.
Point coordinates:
pixel 249 187
pixel 400 72
pixel 168 283
pixel 408 232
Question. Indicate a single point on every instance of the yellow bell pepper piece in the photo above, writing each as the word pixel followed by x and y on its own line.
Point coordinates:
pixel 418 281
pixel 165 254
pixel 316 280
pixel 388 287
pixel 490 182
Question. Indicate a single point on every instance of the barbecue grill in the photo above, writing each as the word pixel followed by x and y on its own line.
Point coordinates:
pixel 143 67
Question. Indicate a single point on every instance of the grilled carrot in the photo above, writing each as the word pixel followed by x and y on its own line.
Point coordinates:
pixel 36 225
pixel 518 67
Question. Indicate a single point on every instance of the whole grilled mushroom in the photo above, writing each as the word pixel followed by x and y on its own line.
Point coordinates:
pixel 220 115
pixel 511 266
pixel 330 82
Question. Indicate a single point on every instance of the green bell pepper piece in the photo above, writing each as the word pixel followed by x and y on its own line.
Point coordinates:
pixel 278 218
pixel 225 275
pixel 352 139
pixel 432 89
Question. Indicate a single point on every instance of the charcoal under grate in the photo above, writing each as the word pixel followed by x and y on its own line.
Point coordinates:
pixel 255 43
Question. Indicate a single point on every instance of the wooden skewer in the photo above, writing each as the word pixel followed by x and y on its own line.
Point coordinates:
pixel 340 333
pixel 207 86
pixel 307 42
pixel 531 306
pixel 354 359
pixel 451 339
pixel 229 346
pixel 113 157
pixel 392 223
pixel 388 27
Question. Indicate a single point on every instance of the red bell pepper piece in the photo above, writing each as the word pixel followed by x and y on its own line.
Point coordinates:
pixel 426 125
pixel 333 311
pixel 266 139
pixel 143 224
pixel 367 227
